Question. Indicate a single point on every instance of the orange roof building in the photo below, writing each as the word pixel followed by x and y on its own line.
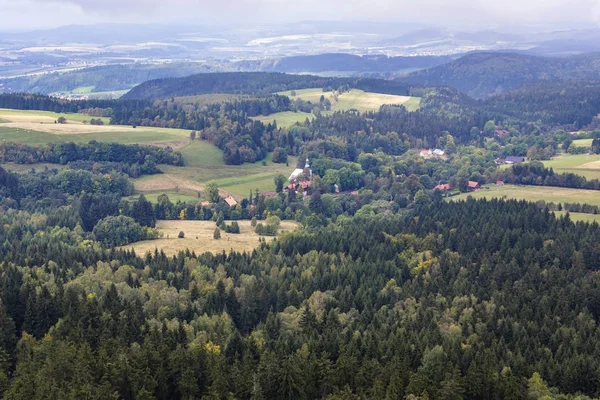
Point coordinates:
pixel 231 201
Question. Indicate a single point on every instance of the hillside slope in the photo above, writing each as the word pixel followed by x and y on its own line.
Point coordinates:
pixel 255 83
pixel 483 74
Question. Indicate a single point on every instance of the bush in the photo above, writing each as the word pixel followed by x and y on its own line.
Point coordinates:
pixel 233 228
pixel 280 155
pixel 217 234
pixel 181 235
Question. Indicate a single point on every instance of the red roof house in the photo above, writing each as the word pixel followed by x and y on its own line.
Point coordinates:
pixel 473 185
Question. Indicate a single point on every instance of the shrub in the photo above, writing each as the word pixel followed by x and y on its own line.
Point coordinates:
pixel 233 228
pixel 217 234
pixel 181 235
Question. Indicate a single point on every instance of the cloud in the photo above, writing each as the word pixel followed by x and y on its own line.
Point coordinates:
pixel 474 14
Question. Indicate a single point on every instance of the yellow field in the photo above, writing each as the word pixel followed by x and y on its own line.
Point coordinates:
pixel 354 99
pixel 40 127
pixel 199 238
pixel 535 193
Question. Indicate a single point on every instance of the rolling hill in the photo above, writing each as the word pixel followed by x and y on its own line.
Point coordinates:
pixel 484 74
pixel 255 83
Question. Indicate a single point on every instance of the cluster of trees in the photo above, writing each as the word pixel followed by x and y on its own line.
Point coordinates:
pixel 534 173
pixel 121 230
pixel 146 157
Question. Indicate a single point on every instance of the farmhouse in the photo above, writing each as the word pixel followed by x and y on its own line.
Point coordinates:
pixel 231 201
pixel 473 185
pixel 438 152
pixel 444 188
pixel 425 153
pixel 499 183
pixel 501 133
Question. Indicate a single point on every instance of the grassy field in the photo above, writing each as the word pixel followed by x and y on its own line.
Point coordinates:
pixel 43 116
pixel 83 90
pixel 285 118
pixel 582 143
pixel 581 164
pixel 38 127
pixel 236 180
pixel 535 193
pixel 576 217
pixel 199 238
pixel 355 99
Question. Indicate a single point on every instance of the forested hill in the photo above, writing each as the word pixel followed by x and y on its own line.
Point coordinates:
pixel 483 74
pixel 343 63
pixel 254 83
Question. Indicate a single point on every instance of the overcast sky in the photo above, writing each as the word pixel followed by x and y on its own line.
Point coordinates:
pixel 470 14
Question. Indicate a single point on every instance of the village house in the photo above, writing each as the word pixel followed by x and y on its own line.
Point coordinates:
pixel 425 153
pixel 499 183
pixel 231 201
pixel 444 188
pixel 473 185
pixel 501 133
pixel 438 152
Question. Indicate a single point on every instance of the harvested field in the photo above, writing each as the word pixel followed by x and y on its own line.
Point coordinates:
pixel 199 238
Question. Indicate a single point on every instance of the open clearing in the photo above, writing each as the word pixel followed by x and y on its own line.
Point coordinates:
pixel 203 161
pixel 576 217
pixel 199 238
pixel 286 118
pixel 582 143
pixel 38 127
pixel 355 99
pixel 204 164
pixel 535 193
pixel 587 165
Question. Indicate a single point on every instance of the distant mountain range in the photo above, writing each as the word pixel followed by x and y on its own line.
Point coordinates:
pixel 483 74
pixel 339 62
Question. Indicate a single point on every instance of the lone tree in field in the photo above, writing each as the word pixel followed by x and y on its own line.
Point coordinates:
pixel 181 235
pixel 217 234
pixel 193 135
pixel 212 192
pixel 62 120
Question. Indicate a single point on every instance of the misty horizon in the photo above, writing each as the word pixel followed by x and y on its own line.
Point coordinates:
pixel 463 15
